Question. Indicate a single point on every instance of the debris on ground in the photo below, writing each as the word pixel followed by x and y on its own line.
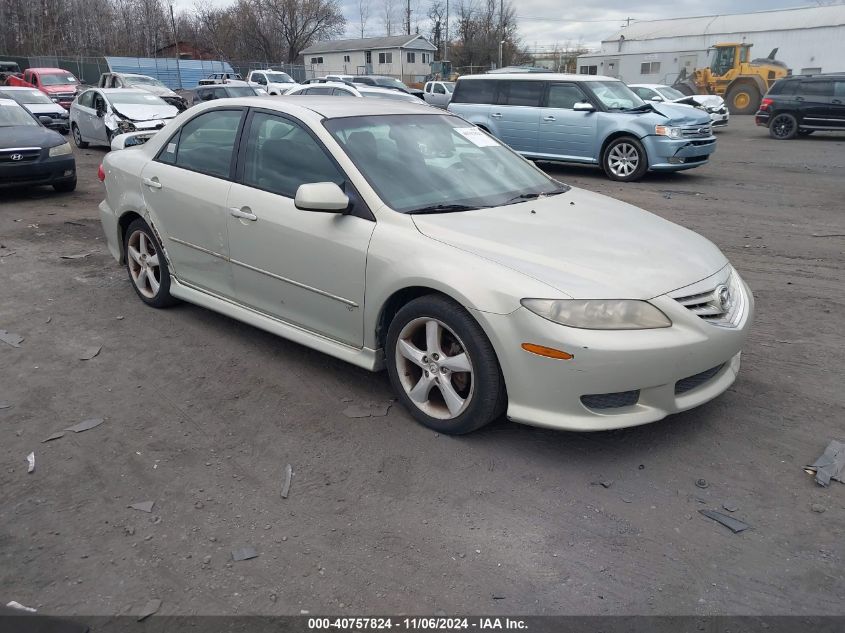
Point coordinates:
pixel 817 507
pixel 734 525
pixel 17 605
pixel 54 436
pixel 730 506
pixel 369 410
pixel 77 256
pixel 85 425
pixel 831 464
pixel 11 338
pixel 90 352
pixel 5 405
pixel 286 482
pixel 604 483
pixel 143 506
pixel 31 461
pixel 48 319
pixel 244 553
pixel 702 483
pixel 149 609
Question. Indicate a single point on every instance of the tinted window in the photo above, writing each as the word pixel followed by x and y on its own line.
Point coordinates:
pixel 205 143
pixel 322 90
pixel 566 96
pixel 281 155
pixel 520 93
pixel 340 92
pixel 439 89
pixel 839 89
pixel 784 87
pixel 475 91
pixel 642 93
pixel 817 88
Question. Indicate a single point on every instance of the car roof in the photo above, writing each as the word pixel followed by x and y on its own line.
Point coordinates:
pixel 377 90
pixel 539 77
pixel 51 70
pixel 652 86
pixel 329 107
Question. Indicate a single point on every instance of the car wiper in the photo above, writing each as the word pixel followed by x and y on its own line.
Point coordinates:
pixel 534 195
pixel 442 208
pixel 644 108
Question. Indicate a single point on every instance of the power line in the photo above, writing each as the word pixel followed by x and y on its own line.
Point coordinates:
pixel 572 20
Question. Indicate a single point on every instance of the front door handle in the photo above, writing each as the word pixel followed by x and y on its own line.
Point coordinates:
pixel 496 115
pixel 549 118
pixel 243 213
pixel 837 102
pixel 152 183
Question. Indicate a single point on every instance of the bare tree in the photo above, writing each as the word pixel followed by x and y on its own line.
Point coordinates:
pixel 363 15
pixel 387 17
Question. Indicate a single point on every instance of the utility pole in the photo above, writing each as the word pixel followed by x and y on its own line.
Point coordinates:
pixel 408 17
pixel 446 37
pixel 176 45
pixel 501 30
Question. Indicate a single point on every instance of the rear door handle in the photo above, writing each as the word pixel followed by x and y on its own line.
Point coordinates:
pixel 243 213
pixel 837 102
pixel 549 118
pixel 496 115
pixel 152 183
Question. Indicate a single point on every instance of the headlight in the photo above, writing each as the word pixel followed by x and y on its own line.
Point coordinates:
pixel 54 99
pixel 667 130
pixel 60 150
pixel 599 314
pixel 125 126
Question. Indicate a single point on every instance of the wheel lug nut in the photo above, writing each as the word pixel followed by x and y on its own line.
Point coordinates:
pixel 435 356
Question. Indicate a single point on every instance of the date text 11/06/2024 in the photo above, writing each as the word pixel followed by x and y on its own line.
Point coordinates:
pixel 416 624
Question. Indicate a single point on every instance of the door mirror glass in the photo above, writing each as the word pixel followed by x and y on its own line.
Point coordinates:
pixel 45 121
pixel 583 106
pixel 326 197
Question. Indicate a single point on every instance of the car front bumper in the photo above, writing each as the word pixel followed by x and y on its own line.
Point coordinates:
pixel 666 154
pixel 618 378
pixel 49 171
pixel 718 119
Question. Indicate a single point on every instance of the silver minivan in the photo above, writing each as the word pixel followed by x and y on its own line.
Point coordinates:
pixel 585 119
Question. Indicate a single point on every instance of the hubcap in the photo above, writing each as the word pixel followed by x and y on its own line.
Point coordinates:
pixel 742 100
pixel 782 126
pixel 144 268
pixel 434 368
pixel 77 137
pixel 623 159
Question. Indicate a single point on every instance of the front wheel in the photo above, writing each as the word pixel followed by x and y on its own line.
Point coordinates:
pixel 783 127
pixel 624 159
pixel 443 367
pixel 147 266
pixel 77 137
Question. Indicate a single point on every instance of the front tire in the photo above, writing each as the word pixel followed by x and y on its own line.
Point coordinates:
pixel 77 137
pixel 147 266
pixel 624 159
pixel 783 127
pixel 443 367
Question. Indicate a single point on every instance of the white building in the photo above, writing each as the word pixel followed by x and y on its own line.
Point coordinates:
pixel 406 57
pixel 809 40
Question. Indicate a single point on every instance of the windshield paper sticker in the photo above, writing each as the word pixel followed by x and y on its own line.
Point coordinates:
pixel 477 137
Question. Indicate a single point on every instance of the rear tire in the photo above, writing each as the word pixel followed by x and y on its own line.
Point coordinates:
pixel 147 266
pixel 624 159
pixel 743 99
pixel 783 127
pixel 77 137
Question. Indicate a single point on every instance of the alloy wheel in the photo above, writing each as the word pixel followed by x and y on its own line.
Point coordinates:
pixel 143 260
pixel 782 126
pixel 623 160
pixel 434 368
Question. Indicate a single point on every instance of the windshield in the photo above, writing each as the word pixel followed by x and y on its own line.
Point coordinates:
pixel 393 95
pixel 144 81
pixel 419 163
pixel 58 79
pixel 12 115
pixel 27 96
pixel 723 60
pixel 670 93
pixel 280 78
pixel 615 95
pixel 389 82
pixel 126 97
pixel 241 91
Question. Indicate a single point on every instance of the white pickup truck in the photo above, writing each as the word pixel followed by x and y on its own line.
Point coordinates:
pixel 438 93
pixel 274 82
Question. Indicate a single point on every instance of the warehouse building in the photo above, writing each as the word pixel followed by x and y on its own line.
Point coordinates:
pixel 809 40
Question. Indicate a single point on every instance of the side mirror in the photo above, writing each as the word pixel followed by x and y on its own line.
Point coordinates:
pixel 46 121
pixel 583 106
pixel 325 197
pixel 656 98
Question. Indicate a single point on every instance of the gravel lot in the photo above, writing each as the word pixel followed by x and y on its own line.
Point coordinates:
pixel 203 413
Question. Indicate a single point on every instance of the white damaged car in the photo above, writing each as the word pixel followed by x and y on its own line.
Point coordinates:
pixel 99 114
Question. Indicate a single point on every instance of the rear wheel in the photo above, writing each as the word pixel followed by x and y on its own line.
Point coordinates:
pixel 147 266
pixel 783 127
pixel 743 99
pixel 77 137
pixel 624 159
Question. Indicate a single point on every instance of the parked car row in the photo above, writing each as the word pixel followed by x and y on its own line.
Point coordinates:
pixel 803 104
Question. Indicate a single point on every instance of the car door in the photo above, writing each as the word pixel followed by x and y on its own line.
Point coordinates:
pixel 302 267
pixel 185 189
pixel 97 121
pixel 564 131
pixel 517 114
pixel 815 97
pixel 439 95
pixel 646 94
pixel 837 110
pixel 83 111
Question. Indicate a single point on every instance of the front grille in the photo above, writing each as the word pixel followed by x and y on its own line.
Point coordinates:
pixel 22 155
pixel 617 400
pixel 692 382
pixel 722 305
pixel 696 131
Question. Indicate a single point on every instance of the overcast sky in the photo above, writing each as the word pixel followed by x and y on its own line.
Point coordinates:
pixel 546 22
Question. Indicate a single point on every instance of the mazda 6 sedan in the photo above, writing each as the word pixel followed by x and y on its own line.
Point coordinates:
pixel 393 235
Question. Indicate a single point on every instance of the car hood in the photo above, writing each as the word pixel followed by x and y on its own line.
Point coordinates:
pixel 585 245
pixel 59 88
pixel 680 114
pixel 45 108
pixel 140 112
pixel 29 136
pixel 154 90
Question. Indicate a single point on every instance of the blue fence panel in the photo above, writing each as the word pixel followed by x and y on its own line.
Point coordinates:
pixel 165 70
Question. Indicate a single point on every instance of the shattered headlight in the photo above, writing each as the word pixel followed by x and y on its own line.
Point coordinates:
pixel 125 126
pixel 599 314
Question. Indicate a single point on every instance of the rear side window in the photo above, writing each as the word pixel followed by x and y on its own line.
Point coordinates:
pixel 565 96
pixel 520 93
pixel 475 91
pixel 783 87
pixel 205 143
pixel 839 89
pixel 817 88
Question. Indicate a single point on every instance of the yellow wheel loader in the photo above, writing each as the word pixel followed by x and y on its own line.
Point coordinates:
pixel 732 75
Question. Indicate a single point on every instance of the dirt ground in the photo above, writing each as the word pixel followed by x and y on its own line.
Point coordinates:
pixel 203 413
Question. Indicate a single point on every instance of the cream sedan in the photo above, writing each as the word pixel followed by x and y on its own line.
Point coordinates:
pixel 393 235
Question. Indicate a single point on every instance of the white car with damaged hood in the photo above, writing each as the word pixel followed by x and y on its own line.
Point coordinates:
pixel 393 235
pixel 99 114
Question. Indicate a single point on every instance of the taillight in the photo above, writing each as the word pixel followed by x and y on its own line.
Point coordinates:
pixel 101 173
pixel 765 103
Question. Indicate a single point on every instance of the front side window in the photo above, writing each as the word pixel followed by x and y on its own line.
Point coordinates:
pixel 439 89
pixel 86 99
pixel 723 61
pixel 565 96
pixel 670 94
pixel 615 95
pixel 282 78
pixel 280 156
pixel 475 91
pixel 421 163
pixel 205 143
pixel 520 93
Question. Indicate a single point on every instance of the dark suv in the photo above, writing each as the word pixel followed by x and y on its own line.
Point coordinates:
pixel 800 105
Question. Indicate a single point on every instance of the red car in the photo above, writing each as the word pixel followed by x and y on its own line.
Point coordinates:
pixel 57 83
